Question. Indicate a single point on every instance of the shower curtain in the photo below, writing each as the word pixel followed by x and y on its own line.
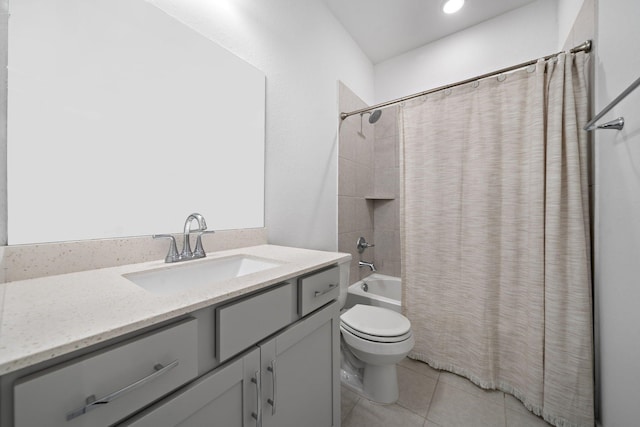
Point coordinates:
pixel 495 235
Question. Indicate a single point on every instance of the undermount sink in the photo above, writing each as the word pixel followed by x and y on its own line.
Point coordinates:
pixel 181 277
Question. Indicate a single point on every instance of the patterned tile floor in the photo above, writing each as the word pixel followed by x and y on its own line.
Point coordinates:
pixel 432 398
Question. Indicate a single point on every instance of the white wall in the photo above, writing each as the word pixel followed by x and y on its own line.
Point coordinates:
pixel 617 219
pixel 567 12
pixel 514 37
pixel 303 51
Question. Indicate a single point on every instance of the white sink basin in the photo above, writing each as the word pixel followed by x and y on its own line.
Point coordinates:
pixel 189 275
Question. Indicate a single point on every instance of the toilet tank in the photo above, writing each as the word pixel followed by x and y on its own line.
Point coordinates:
pixel 345 270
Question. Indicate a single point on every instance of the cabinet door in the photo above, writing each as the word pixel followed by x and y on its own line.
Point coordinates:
pixel 300 373
pixel 227 397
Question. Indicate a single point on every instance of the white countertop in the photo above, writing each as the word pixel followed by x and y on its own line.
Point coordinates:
pixel 50 316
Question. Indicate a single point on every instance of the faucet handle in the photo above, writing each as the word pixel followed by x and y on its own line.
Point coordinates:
pixel 199 250
pixel 362 244
pixel 172 255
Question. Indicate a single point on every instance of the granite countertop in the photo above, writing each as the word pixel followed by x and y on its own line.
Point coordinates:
pixel 50 316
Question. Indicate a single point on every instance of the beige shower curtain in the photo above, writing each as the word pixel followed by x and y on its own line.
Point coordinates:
pixel 495 235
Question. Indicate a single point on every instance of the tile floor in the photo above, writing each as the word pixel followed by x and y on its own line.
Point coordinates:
pixel 432 398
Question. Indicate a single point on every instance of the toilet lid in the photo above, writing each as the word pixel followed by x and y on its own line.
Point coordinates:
pixel 376 321
pixel 344 328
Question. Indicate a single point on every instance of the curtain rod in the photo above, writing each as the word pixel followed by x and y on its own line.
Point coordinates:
pixel 584 47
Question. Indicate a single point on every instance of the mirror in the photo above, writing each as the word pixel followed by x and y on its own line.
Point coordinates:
pixel 122 121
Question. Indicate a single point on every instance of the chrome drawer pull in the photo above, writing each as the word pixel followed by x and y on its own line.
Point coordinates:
pixel 316 294
pixel 274 390
pixel 258 416
pixel 92 402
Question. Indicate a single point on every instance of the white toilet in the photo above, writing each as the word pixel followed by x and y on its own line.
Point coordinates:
pixel 378 338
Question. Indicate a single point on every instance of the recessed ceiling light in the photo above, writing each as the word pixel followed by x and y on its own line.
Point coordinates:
pixel 452 6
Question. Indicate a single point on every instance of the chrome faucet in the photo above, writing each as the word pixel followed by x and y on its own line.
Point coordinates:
pixel 186 244
pixel 187 254
pixel 367 264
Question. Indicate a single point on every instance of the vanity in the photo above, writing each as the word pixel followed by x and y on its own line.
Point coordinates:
pixel 128 346
pixel 243 337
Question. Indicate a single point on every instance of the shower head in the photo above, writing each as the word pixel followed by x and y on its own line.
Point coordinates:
pixel 373 116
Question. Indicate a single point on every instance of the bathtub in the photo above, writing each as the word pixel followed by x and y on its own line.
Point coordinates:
pixel 381 291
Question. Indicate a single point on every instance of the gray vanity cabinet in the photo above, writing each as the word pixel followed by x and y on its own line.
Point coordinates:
pixel 227 397
pixel 298 384
pixel 276 364
pixel 300 373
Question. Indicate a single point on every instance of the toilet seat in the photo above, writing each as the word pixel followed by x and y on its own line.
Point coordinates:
pixel 373 338
pixel 376 324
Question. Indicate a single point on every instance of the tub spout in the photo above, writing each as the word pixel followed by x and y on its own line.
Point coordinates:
pixel 367 264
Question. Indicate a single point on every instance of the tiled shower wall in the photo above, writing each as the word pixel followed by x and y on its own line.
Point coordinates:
pixel 368 188
pixel 355 183
pixel 386 208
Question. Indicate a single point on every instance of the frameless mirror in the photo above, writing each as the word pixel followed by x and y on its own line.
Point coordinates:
pixel 122 121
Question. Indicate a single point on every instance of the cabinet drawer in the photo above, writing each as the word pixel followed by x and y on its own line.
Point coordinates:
pixel 127 376
pixel 243 323
pixel 317 289
pixel 225 397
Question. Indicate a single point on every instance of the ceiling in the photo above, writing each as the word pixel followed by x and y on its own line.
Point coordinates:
pixel 386 28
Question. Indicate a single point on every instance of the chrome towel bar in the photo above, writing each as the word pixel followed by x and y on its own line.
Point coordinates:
pixel 618 123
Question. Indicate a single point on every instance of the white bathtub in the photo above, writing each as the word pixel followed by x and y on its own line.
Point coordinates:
pixel 381 291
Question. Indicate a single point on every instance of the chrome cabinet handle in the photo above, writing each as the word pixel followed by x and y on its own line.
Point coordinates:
pixel 274 390
pixel 92 402
pixel 258 416
pixel 326 291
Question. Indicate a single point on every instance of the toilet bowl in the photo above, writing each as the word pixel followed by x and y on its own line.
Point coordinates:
pixel 378 338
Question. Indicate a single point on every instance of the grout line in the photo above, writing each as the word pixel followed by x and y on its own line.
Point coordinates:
pixel 350 411
pixel 343 417
pixel 504 404
pixel 418 374
pixel 435 389
pixel 487 400
pixel 438 371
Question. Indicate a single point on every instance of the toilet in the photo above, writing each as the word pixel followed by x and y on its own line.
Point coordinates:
pixel 374 340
